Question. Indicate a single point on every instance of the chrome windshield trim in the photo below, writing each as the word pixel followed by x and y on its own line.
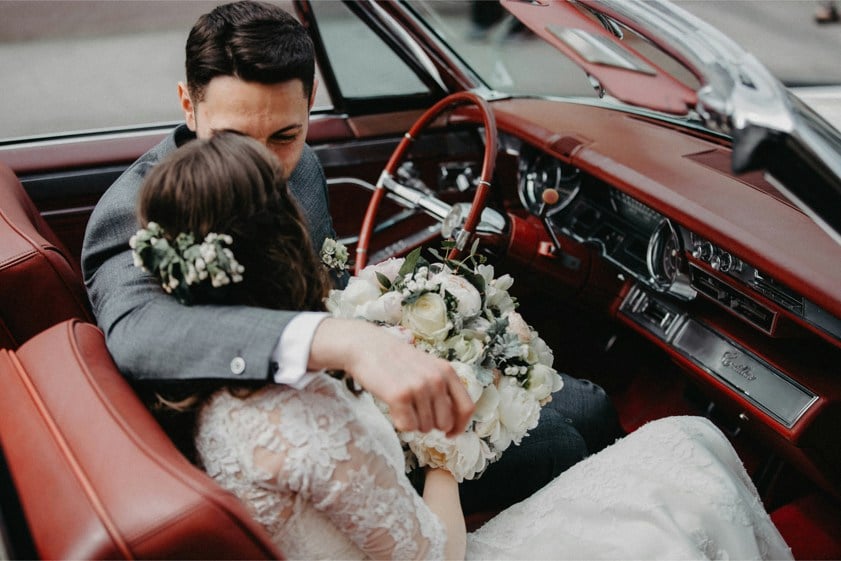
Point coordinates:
pixel 738 90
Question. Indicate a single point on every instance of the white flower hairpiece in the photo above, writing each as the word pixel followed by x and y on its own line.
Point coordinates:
pixel 184 263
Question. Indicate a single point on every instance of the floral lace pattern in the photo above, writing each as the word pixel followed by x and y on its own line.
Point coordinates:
pixel 321 470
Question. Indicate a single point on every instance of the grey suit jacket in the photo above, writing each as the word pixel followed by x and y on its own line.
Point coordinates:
pixel 150 335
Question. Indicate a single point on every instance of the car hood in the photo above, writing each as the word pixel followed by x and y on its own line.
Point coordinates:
pixel 771 129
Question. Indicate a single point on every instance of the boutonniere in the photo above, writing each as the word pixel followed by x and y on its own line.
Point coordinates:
pixel 334 255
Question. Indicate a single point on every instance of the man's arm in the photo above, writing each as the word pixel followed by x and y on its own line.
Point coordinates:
pixel 151 336
pixel 422 391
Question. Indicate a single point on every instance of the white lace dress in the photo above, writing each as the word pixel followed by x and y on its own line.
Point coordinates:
pixel 322 470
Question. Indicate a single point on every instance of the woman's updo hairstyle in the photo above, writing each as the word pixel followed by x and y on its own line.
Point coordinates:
pixel 231 184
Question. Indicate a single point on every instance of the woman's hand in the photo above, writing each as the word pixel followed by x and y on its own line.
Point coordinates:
pixel 421 391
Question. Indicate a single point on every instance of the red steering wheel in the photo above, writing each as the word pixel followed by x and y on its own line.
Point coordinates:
pixel 388 181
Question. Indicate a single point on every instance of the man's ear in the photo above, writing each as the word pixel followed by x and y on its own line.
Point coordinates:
pixel 314 89
pixel 187 106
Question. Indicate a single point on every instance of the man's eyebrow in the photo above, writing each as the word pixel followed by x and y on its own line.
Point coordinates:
pixel 287 130
pixel 284 130
pixel 214 132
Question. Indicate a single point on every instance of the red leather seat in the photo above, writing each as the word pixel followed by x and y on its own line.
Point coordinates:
pixel 95 475
pixel 40 282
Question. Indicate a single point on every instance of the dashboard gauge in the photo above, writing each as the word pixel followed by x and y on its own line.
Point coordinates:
pixel 667 268
pixel 642 216
pixel 539 172
pixel 663 257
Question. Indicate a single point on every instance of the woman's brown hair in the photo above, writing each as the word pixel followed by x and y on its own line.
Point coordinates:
pixel 231 184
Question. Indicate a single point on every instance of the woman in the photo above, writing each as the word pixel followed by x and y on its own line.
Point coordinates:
pixel 322 469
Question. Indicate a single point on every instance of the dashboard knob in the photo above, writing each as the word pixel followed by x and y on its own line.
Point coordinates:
pixel 703 251
pixel 550 197
pixel 715 262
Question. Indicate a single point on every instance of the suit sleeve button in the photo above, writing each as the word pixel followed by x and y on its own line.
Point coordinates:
pixel 238 365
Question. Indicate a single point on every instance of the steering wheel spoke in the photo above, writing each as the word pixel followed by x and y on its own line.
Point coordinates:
pixel 424 201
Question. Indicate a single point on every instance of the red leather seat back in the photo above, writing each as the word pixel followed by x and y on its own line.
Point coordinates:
pixel 40 283
pixel 96 476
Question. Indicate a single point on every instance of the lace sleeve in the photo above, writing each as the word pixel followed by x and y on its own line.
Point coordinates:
pixel 324 449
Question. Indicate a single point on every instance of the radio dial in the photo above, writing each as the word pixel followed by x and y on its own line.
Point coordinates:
pixel 703 251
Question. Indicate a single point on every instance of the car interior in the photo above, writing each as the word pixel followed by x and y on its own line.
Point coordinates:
pixel 658 273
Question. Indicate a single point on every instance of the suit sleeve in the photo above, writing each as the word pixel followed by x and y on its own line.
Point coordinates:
pixel 150 335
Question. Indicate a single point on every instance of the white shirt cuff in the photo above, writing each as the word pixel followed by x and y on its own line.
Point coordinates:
pixel 292 352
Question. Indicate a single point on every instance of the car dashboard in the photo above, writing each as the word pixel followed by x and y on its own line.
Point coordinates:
pixel 708 296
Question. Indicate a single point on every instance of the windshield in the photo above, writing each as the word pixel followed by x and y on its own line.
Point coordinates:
pixel 510 59
pixel 505 55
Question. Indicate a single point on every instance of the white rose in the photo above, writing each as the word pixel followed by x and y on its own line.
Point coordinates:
pixel 469 299
pixel 466 349
pixel 543 382
pixel 427 317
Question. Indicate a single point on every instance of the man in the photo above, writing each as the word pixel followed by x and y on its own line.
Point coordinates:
pixel 250 69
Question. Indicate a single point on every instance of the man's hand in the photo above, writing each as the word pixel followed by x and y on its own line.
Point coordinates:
pixel 421 391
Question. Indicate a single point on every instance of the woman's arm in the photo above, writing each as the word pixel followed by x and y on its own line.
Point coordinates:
pixel 440 492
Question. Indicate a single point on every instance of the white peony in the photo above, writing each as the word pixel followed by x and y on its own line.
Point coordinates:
pixel 518 326
pixel 351 302
pixel 539 352
pixel 468 298
pixel 468 377
pixel 485 414
pixel 518 412
pixel 388 268
pixel 464 456
pixel 387 308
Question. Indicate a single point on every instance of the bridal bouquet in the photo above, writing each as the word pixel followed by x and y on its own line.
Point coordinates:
pixel 459 311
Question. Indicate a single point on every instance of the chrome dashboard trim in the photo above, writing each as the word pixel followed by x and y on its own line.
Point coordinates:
pixel 751 377
pixel 741 370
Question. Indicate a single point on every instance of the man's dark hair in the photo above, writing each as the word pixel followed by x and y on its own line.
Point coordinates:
pixel 252 41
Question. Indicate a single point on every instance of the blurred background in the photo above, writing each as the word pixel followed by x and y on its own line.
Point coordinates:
pixel 71 65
